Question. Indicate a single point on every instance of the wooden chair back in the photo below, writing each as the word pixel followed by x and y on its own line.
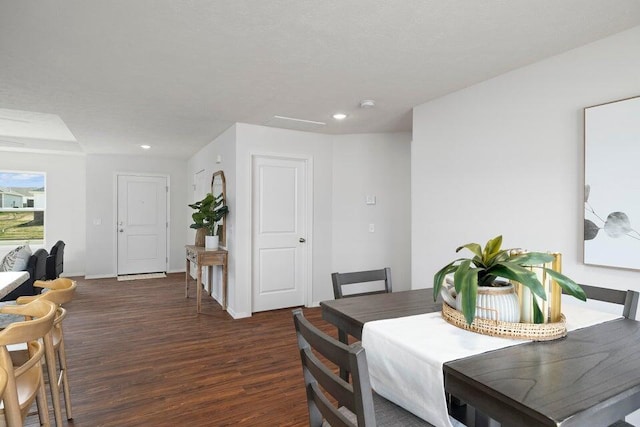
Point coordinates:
pixel 320 378
pixel 343 280
pixel 628 299
pixel 20 393
pixel 59 291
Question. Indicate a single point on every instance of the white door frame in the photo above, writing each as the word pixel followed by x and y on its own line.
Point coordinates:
pixel 308 159
pixel 115 214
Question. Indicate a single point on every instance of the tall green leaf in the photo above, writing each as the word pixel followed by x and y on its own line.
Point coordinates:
pixel 538 317
pixel 466 280
pixel 568 286
pixel 492 247
pixel 439 277
pixel 531 258
pixel 473 247
pixel 459 274
pixel 520 274
pixel 499 256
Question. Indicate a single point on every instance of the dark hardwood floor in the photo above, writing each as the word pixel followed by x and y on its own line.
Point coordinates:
pixel 140 356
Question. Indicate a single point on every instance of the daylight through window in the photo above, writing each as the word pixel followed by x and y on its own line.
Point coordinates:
pixel 22 206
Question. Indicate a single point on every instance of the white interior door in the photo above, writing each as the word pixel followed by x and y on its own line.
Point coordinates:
pixel 279 217
pixel 142 224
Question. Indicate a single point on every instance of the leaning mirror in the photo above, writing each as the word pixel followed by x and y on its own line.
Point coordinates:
pixel 219 187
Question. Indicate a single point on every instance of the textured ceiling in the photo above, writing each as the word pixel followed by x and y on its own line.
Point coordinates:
pixel 175 74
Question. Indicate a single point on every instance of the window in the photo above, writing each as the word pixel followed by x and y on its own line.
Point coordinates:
pixel 22 206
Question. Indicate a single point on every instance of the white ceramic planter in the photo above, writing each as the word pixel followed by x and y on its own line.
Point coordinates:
pixel 211 242
pixel 493 302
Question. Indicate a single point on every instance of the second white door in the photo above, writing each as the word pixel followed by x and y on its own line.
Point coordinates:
pixel 142 224
pixel 279 212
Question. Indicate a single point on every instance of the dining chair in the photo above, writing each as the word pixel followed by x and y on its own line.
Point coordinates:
pixel 59 291
pixel 344 281
pixel 628 299
pixel 55 260
pixel 359 405
pixel 24 375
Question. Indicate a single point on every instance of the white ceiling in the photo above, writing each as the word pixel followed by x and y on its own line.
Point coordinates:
pixel 175 74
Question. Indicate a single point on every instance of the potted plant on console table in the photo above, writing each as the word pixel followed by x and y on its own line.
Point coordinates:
pixel 475 278
pixel 209 212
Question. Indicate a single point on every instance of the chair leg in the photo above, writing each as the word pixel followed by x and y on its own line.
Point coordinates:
pixel 11 412
pixel 41 401
pixel 52 371
pixel 62 357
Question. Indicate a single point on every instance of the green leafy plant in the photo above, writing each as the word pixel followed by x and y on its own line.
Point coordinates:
pixel 209 211
pixel 491 263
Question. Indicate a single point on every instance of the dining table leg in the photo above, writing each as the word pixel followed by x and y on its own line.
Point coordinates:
pixel 344 338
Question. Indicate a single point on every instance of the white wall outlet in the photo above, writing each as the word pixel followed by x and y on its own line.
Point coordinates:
pixel 372 228
pixel 371 200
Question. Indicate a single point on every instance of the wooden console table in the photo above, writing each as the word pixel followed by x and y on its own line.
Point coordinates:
pixel 209 258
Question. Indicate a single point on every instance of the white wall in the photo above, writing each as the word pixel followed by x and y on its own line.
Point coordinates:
pixel 101 202
pixel 207 159
pixel 372 165
pixel 345 168
pixel 65 207
pixel 506 157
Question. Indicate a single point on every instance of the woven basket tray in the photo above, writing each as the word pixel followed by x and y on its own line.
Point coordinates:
pixel 497 328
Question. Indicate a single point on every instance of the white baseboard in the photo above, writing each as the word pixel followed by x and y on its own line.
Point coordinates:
pixel 100 276
pixel 73 274
pixel 235 315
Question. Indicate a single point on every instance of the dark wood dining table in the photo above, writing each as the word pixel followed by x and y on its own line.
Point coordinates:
pixel 589 378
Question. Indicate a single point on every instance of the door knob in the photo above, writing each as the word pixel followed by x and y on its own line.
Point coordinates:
pixel 121 230
pixel 302 240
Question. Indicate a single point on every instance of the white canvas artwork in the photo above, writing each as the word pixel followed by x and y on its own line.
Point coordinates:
pixel 612 184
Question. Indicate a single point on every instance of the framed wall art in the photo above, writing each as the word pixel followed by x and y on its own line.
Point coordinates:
pixel 612 184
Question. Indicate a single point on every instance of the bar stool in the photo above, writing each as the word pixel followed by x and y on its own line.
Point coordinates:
pixel 59 291
pixel 25 380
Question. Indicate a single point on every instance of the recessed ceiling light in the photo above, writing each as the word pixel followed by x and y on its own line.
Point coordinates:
pixel 367 103
pixel 145 147
pixel 339 116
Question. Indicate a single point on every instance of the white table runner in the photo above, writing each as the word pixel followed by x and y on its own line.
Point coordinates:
pixel 405 356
